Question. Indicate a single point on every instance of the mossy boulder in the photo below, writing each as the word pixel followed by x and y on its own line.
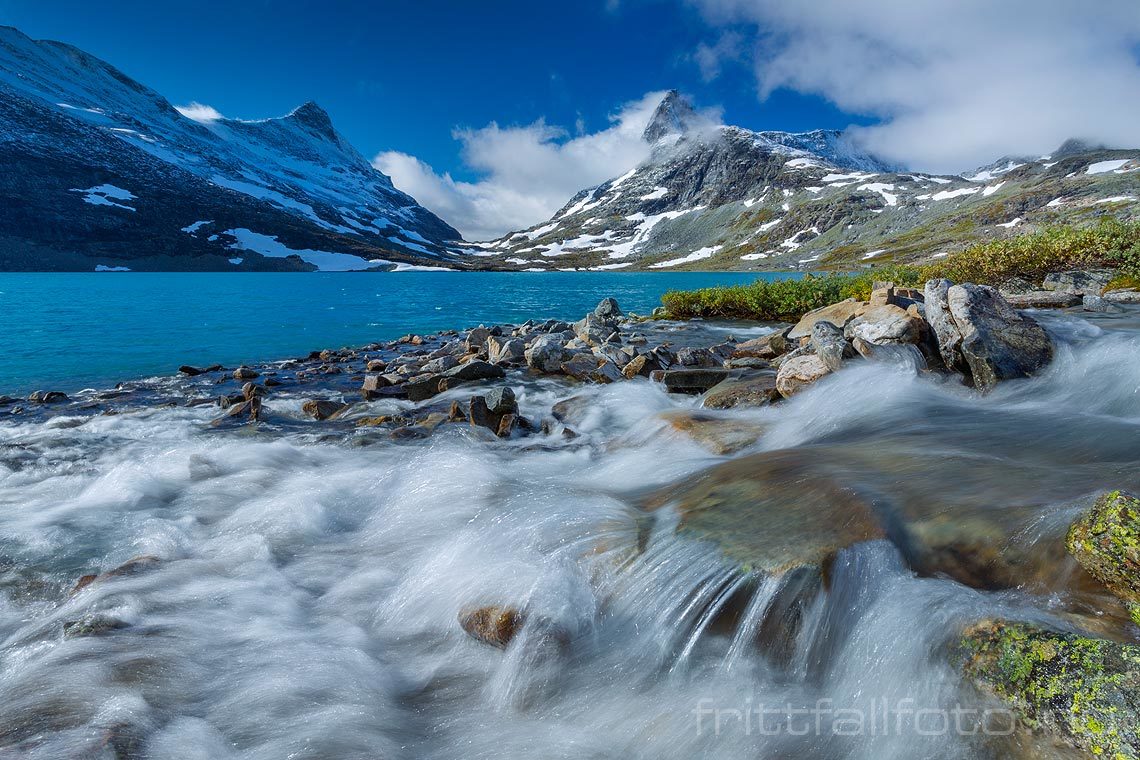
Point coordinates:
pixel 1083 690
pixel 1105 540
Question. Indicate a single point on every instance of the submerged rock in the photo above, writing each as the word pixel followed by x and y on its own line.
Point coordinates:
pixel 1105 540
pixel 134 566
pixel 772 512
pixel 47 397
pixel 720 435
pixel 1084 691
pixel 492 625
pixel 323 408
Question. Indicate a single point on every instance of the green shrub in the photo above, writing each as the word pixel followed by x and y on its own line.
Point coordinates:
pixel 1109 243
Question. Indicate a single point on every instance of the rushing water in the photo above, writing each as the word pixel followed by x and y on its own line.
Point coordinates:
pixel 76 330
pixel 306 605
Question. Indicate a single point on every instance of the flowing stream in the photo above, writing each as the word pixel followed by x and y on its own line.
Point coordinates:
pixel 306 601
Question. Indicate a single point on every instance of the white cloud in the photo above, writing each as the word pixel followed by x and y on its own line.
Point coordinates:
pixel 955 84
pixel 711 58
pixel 528 172
pixel 199 112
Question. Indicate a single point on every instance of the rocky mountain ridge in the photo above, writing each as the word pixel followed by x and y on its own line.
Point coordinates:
pixel 724 197
pixel 103 172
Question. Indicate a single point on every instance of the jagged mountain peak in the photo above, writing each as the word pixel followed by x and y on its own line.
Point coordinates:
pixel 674 116
pixel 312 116
pixel 1075 146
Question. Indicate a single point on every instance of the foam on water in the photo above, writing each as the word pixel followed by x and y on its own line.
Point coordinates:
pixel 308 597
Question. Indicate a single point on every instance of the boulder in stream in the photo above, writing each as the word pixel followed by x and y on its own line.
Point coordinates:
pixel 797 372
pixel 1083 691
pixel 1105 540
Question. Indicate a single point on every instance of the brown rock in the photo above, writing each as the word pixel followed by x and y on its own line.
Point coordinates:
pixel 798 372
pixel 838 314
pixel 750 390
pixel 492 625
pixel 323 408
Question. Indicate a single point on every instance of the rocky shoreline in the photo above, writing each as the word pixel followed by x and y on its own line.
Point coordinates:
pixel 412 388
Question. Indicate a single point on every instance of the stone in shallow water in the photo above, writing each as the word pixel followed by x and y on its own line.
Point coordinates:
pixel 885 324
pixel 830 345
pixel 492 625
pixel 998 343
pixel 772 512
pixel 1084 691
pixel 323 408
pixel 1105 540
pixel 720 435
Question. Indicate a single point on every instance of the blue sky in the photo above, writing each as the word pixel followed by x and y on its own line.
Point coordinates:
pixel 493 114
pixel 402 75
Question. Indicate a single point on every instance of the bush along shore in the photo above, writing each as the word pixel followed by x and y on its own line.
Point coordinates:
pixel 1072 687
pixel 1024 268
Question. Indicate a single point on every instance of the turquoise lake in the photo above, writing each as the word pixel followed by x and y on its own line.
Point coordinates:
pixel 69 331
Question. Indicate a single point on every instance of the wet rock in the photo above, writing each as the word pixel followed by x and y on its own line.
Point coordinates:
pixel 886 324
pixel 491 410
pixel 595 330
pixel 134 566
pixel 689 380
pixel 1043 299
pixel 421 389
pixel 323 408
pixel 831 346
pixel 245 373
pixel 1085 691
pixel 772 512
pixel 754 389
pixel 572 410
pixel 7 400
pixel 838 314
pixel 747 362
pixel 798 372
pixel 376 365
pixel 471 372
pixel 192 371
pixel 642 365
pixel 251 389
pixel 374 384
pixel 765 347
pixel 1078 281
pixel 720 435
pixel 93 625
pixel 998 343
pixel 249 409
pixel 492 625
pixel 580 366
pixel 47 397
pixel 1105 540
pixel 546 353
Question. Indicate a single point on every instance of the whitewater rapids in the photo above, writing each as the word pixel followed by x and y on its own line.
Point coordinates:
pixel 306 603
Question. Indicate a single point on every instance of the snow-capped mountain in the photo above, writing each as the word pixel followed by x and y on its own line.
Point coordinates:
pixel 723 197
pixel 102 172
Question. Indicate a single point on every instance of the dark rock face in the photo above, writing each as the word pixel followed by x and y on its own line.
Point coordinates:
pixel 998 343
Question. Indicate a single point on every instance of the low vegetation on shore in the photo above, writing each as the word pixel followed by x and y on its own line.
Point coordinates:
pixel 1110 244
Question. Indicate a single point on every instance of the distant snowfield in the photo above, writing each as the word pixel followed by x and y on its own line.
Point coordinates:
pixel 1103 167
pixel 267 245
pixel 106 195
pixel 703 253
